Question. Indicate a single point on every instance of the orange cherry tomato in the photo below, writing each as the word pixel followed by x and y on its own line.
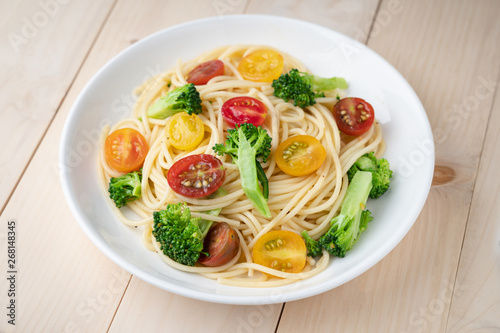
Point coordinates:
pixel 261 66
pixel 300 155
pixel 282 250
pixel 125 150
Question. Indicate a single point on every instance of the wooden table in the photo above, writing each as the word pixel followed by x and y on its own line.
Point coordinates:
pixel 443 277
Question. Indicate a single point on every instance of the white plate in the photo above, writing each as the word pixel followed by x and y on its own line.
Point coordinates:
pixel 107 99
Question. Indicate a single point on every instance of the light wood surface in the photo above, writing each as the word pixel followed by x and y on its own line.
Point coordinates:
pixel 443 277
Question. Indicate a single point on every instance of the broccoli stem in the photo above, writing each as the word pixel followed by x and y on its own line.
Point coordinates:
pixel 205 225
pixel 357 194
pixel 248 173
pixel 326 84
pixel 261 175
pixel 365 163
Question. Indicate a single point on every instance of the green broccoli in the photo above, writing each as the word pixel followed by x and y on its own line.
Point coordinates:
pixel 313 247
pixel 380 169
pixel 125 188
pixel 303 88
pixel 352 220
pixel 245 144
pixel 179 234
pixel 184 98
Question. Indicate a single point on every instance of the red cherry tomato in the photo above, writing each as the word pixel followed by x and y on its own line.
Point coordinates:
pixel 196 175
pixel 221 244
pixel 202 73
pixel 354 116
pixel 125 150
pixel 244 109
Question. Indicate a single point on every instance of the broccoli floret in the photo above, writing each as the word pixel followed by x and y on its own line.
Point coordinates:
pixel 303 88
pixel 184 98
pixel 380 169
pixel 125 188
pixel 245 144
pixel 179 234
pixel 313 247
pixel 352 220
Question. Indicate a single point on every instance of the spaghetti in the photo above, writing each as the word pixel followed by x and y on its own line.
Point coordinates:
pixel 296 203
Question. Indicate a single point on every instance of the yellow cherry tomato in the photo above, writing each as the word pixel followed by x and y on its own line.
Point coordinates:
pixel 261 66
pixel 282 250
pixel 185 131
pixel 300 155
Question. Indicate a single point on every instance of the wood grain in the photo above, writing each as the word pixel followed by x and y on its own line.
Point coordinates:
pixel 353 18
pixel 442 277
pixel 42 47
pixel 162 311
pixel 411 289
pixel 475 305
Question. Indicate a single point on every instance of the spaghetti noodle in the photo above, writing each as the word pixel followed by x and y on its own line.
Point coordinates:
pixel 296 203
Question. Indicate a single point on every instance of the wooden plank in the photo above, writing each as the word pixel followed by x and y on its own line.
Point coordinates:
pixel 162 311
pixel 353 18
pixel 64 283
pixel 448 51
pixel 476 298
pixel 42 47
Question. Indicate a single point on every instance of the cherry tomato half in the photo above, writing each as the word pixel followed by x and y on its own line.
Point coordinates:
pixel 185 131
pixel 202 73
pixel 282 250
pixel 125 150
pixel 261 66
pixel 300 155
pixel 196 175
pixel 244 109
pixel 221 243
pixel 354 116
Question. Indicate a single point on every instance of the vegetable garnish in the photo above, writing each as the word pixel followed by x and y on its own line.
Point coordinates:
pixel 303 88
pixel 380 169
pixel 300 155
pixel 185 131
pixel 261 66
pixel 184 98
pixel 244 109
pixel 196 176
pixel 206 71
pixel 125 150
pixel 220 246
pixel 245 144
pixel 180 234
pixel 125 188
pixel 354 116
pixel 350 223
pixel 282 250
